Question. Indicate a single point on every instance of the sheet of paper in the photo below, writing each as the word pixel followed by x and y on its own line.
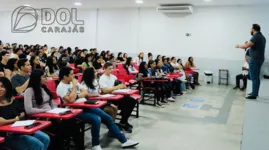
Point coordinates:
pixel 57 110
pixel 107 95
pixel 81 100
pixel 122 90
pixel 23 123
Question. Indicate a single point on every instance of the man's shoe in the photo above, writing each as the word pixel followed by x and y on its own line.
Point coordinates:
pixel 251 97
pixel 98 147
pixel 129 144
pixel 236 87
pixel 242 89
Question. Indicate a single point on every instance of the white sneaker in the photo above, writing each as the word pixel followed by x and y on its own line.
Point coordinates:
pixel 98 147
pixel 171 99
pixel 129 144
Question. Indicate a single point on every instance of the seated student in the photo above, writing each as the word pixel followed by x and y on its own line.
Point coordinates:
pixel 31 53
pixel 20 80
pixel 55 54
pixel 169 66
pixel 167 87
pixel 152 72
pixel 175 65
pixel 159 57
pixel 52 49
pixel 87 62
pixel 244 76
pixel 10 112
pixel 97 64
pixel 125 56
pixel 11 68
pixel 89 82
pixel 4 55
pixel 165 67
pixel 139 58
pixel 190 65
pixel 69 54
pixel 129 67
pixel 52 69
pixel 38 99
pixel 22 56
pixel 120 58
pixel 107 56
pixel 35 62
pixel 186 77
pixel 63 61
pixel 150 56
pixel 79 60
pixel 70 91
pixel 16 53
pixel 126 105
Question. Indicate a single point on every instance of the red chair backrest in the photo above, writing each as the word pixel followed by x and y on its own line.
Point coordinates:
pixel 52 87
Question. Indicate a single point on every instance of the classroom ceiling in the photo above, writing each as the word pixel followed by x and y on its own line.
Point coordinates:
pixel 87 4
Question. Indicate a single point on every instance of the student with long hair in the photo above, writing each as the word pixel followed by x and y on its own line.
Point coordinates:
pixel 129 67
pixel 125 56
pixel 62 61
pixel 88 62
pixel 38 99
pixel 120 57
pixel 97 64
pixel 52 69
pixel 139 58
pixel 190 65
pixel 89 82
pixel 79 60
pixel 35 62
pixel 11 112
pixel 11 68
pixel 167 86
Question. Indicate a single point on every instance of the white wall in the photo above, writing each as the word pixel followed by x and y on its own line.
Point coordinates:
pixel 214 33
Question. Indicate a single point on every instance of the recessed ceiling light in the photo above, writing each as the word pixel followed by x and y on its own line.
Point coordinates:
pixel 139 1
pixel 27 5
pixel 207 0
pixel 77 3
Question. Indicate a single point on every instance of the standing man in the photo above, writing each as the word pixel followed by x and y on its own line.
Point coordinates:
pixel 256 53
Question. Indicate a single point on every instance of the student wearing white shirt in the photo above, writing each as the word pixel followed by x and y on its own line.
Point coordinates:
pixel 126 105
pixel 175 65
pixel 243 76
pixel 139 58
pixel 70 91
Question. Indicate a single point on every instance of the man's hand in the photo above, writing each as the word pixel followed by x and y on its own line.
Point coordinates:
pixel 122 86
pixel 114 106
pixel 237 46
pixel 22 115
pixel 74 82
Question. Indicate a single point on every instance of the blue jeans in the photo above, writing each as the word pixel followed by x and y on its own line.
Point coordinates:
pixel 95 117
pixel 37 141
pixel 254 72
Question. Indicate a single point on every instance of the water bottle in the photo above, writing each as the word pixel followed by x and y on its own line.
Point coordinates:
pixel 156 74
pixel 192 80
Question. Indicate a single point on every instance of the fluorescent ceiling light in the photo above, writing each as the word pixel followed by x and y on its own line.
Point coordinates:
pixel 207 0
pixel 139 1
pixel 77 3
pixel 27 5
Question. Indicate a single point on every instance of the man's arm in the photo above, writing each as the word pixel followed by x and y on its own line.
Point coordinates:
pixel 110 90
pixel 22 88
pixel 245 46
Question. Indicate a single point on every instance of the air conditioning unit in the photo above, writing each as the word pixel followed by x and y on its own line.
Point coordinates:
pixel 176 9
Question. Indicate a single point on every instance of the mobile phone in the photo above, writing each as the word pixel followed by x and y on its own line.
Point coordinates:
pixel 32 125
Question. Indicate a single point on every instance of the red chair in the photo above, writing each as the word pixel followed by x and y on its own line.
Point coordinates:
pixel 52 87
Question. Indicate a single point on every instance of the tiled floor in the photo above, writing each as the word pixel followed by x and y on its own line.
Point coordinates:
pixel 216 125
